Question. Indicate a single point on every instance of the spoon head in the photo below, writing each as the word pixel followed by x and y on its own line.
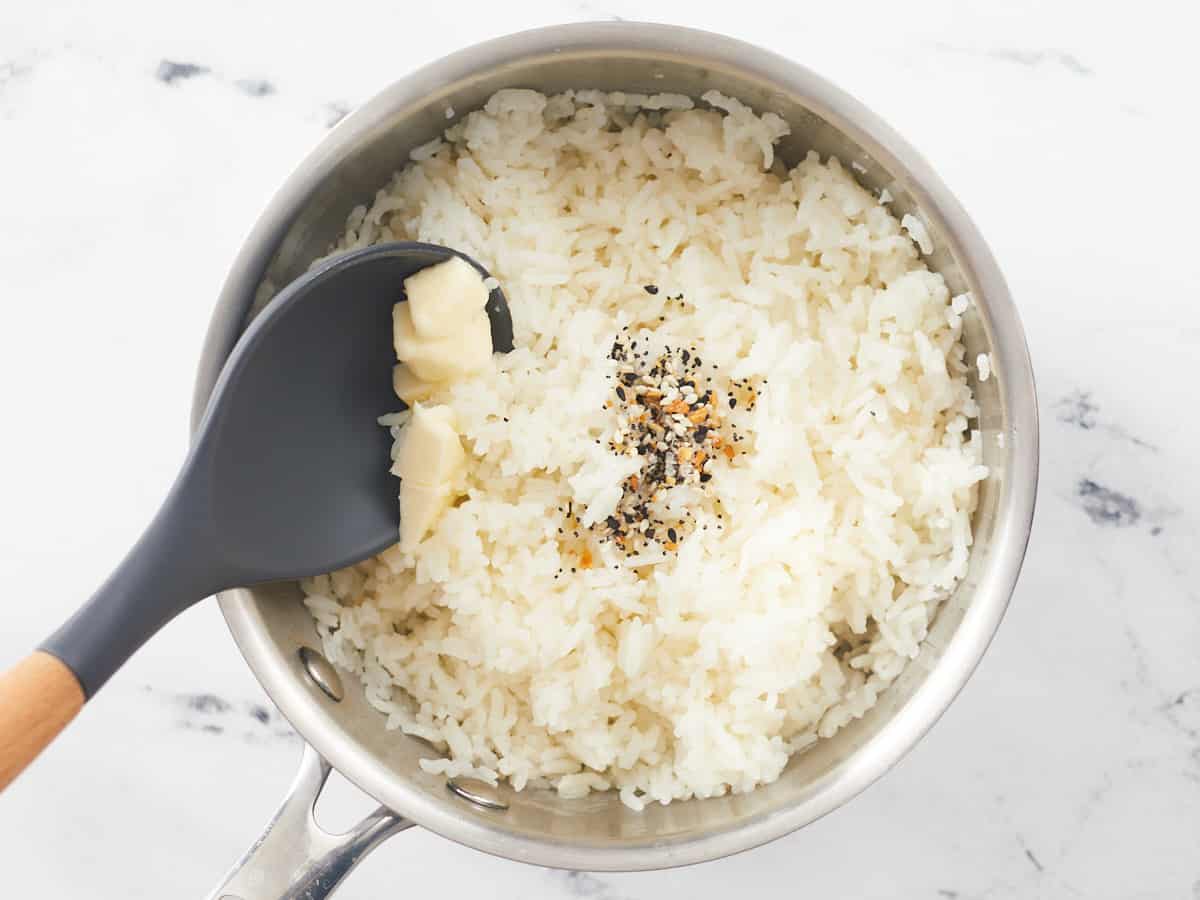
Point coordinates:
pixel 290 464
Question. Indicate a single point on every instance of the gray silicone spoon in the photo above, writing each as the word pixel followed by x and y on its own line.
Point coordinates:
pixel 287 477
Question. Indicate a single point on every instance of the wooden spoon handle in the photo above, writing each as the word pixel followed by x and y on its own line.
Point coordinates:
pixel 38 697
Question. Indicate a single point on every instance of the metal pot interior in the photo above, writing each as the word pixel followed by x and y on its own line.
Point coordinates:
pixel 598 832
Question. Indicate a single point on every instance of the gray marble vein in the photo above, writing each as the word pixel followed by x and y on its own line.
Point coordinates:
pixel 169 71
pixel 211 714
pixel 1105 506
pixel 1032 58
pixel 1080 410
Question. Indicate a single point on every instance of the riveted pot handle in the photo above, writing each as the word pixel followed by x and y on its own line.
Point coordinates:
pixel 294 858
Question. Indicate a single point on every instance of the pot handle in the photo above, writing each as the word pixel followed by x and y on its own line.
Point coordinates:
pixel 294 858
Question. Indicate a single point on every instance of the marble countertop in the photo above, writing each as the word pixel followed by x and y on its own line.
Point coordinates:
pixel 138 142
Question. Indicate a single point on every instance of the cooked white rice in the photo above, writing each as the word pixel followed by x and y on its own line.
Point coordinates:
pixel 820 551
pixel 983 365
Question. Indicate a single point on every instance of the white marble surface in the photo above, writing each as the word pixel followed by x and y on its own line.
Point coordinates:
pixel 1070 766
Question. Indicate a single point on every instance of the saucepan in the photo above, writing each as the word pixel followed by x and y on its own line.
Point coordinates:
pixel 295 858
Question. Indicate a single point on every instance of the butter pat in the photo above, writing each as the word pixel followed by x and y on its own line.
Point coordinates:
pixel 408 386
pixel 428 463
pixel 441 334
pixel 437 359
pixel 443 298
pixel 430 451
pixel 420 508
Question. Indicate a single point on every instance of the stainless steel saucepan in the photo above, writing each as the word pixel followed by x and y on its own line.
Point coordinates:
pixel 294 858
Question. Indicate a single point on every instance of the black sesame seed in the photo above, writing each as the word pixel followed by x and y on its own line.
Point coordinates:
pixel 733 402
pixel 651 289
pixel 672 536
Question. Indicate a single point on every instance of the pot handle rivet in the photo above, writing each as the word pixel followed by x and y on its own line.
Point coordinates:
pixel 478 792
pixel 322 673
